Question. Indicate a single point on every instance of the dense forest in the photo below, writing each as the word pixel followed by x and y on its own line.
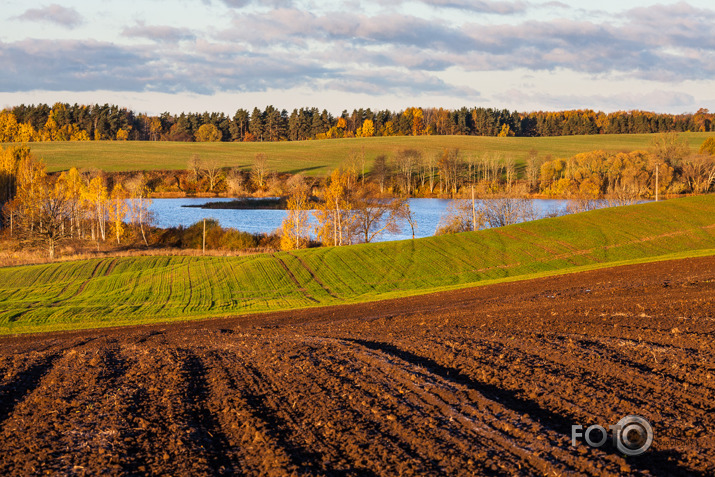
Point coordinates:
pixel 65 122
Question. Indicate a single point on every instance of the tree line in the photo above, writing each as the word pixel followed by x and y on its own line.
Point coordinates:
pixel 450 173
pixel 667 167
pixel 65 122
pixel 352 209
pixel 355 204
pixel 44 209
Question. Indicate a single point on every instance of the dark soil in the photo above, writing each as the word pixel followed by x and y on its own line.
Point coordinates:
pixel 483 381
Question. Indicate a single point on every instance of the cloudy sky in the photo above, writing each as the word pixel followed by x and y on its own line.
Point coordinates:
pixel 219 55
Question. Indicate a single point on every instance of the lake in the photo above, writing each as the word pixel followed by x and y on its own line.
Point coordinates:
pixel 427 213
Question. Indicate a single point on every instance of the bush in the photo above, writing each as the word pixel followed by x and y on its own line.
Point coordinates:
pixel 236 240
pixel 217 237
pixel 708 146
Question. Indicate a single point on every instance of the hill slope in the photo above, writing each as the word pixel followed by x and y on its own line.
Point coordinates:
pixel 319 157
pixel 104 292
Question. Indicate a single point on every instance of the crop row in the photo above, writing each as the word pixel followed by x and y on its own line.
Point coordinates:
pixel 110 291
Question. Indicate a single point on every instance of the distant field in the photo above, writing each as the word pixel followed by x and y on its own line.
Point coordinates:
pixel 115 291
pixel 318 157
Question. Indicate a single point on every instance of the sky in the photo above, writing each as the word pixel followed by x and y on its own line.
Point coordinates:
pixel 153 56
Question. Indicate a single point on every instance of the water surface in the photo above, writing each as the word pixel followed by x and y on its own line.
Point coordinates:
pixel 427 213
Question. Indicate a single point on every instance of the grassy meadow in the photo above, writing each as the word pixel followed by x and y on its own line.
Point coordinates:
pixel 318 158
pixel 130 290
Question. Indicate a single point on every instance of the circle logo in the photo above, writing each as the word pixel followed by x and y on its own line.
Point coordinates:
pixel 634 435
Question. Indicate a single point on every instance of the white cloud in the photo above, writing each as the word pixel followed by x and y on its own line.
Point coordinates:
pixel 57 14
pixel 158 32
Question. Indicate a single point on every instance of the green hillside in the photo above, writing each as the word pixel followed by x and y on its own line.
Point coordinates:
pixel 114 291
pixel 318 157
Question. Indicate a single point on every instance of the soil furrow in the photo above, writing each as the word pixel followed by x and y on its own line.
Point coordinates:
pixel 314 276
pixel 481 381
pixel 206 431
pixel 520 437
pixel 295 281
pixel 23 384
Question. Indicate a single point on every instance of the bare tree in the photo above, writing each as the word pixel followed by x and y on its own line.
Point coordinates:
pixel 213 171
pixel 584 203
pixel 40 209
pixel 295 228
pixel 533 169
pixel 274 185
pixel 381 171
pixel 484 166
pixel 509 171
pixel 495 167
pixel 449 166
pixel 407 161
pixel 139 205
pixel 236 182
pixel 504 210
pixel 355 165
pixel 460 216
pixel 373 216
pixel 619 194
pixel 473 164
pixel 194 166
pixel 430 165
pixel 669 148
pixel 699 172
pixel 404 212
pixel 259 170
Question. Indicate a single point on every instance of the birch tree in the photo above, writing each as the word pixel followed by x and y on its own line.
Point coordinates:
pixel 295 226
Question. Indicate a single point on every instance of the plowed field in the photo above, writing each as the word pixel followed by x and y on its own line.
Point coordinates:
pixel 483 381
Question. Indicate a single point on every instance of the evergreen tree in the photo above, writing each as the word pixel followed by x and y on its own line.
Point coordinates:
pixel 256 124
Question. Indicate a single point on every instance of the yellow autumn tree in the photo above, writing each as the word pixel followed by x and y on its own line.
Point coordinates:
pixel 79 135
pixel 8 127
pixel 74 189
pixel 50 131
pixel 333 213
pixel 505 131
pixel 389 129
pixel 26 133
pixel 368 128
pixel 708 146
pixel 155 129
pixel 208 133
pixel 122 134
pixel 416 116
pixel 118 209
pixel 97 200
pixel 11 161
pixel 39 209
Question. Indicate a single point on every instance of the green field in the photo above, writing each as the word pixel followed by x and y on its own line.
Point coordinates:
pixel 318 157
pixel 115 291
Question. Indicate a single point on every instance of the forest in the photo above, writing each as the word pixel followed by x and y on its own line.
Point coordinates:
pixel 65 122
